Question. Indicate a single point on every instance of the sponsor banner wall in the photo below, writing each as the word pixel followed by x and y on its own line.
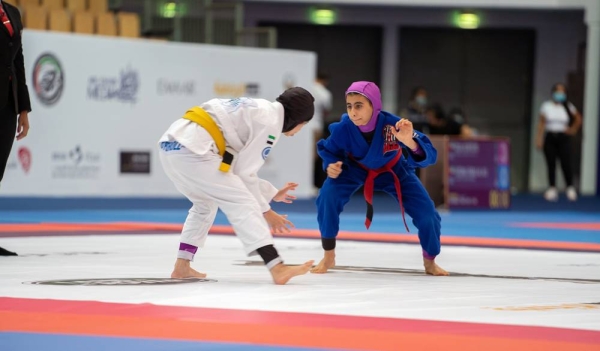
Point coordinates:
pixel 479 174
pixel 101 104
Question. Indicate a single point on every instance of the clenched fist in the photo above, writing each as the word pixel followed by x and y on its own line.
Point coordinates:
pixel 334 169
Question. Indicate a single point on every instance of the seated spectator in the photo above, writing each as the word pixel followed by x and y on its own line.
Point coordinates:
pixel 440 124
pixel 415 111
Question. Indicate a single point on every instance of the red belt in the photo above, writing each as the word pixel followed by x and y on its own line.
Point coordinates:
pixel 370 186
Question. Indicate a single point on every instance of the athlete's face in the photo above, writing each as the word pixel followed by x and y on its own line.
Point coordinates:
pixel 359 109
pixel 295 130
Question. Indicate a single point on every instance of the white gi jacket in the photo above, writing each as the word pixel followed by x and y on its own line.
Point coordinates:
pixel 251 127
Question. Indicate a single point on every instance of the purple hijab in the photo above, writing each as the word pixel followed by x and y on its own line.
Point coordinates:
pixel 371 91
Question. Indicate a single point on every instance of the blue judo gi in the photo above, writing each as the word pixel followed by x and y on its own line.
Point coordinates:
pixel 383 156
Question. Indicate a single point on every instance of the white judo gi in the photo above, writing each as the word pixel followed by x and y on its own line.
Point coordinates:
pixel 190 158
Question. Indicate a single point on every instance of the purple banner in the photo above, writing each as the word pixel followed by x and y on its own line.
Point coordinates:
pixel 479 174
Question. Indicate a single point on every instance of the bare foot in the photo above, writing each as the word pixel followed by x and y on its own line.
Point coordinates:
pixel 432 268
pixel 183 270
pixel 282 273
pixel 326 263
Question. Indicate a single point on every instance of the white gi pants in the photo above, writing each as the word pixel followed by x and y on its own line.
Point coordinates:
pixel 197 176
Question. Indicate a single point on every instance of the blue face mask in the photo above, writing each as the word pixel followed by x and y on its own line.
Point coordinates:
pixel 421 100
pixel 559 96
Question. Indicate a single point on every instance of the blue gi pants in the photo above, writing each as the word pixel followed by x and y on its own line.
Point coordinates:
pixel 335 193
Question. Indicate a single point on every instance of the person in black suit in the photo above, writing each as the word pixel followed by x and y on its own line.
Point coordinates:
pixel 14 97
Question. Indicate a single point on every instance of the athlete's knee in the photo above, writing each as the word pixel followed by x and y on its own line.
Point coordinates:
pixel 428 217
pixel 327 195
pixel 202 210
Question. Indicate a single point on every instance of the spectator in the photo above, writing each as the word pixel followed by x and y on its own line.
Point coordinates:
pixel 415 112
pixel 559 121
pixel 438 123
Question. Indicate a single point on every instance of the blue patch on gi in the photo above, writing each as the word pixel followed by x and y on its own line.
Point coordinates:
pixel 171 145
pixel 265 152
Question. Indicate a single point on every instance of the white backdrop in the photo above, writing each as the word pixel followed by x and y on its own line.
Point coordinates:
pixel 95 97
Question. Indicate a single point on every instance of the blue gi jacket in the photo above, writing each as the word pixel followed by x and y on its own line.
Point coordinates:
pixel 346 140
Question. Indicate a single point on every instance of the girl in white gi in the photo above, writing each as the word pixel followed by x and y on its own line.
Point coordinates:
pixel 213 154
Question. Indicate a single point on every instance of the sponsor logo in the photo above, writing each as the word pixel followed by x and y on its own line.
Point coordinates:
pixel 232 105
pixel 389 140
pixel 171 146
pixel 464 148
pixel 457 199
pixel 123 88
pixel 503 180
pixel 173 87
pixel 265 153
pixel 48 79
pixel 75 164
pixel 135 162
pixel 503 153
pixel 22 161
pixel 236 89
pixel 24 158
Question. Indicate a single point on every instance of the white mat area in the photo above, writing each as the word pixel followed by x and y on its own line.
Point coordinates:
pixel 510 296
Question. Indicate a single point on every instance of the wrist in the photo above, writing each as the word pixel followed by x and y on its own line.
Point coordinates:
pixel 411 144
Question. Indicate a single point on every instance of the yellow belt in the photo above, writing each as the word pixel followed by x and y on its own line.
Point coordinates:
pixel 202 118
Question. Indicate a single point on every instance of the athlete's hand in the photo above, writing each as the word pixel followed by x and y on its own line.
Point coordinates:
pixel 403 131
pixel 334 169
pixel 283 196
pixel 278 223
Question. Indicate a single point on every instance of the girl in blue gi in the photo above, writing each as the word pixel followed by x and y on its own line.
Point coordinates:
pixel 365 149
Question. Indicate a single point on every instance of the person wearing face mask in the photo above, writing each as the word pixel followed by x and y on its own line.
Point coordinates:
pixel 417 108
pixel 366 149
pixel 559 121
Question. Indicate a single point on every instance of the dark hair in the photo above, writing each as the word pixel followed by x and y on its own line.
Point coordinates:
pixel 438 111
pixel 415 91
pixel 556 85
pixel 565 103
pixel 298 106
pixel 322 75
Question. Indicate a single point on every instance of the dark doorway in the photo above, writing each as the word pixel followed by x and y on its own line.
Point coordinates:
pixel 486 73
pixel 345 53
